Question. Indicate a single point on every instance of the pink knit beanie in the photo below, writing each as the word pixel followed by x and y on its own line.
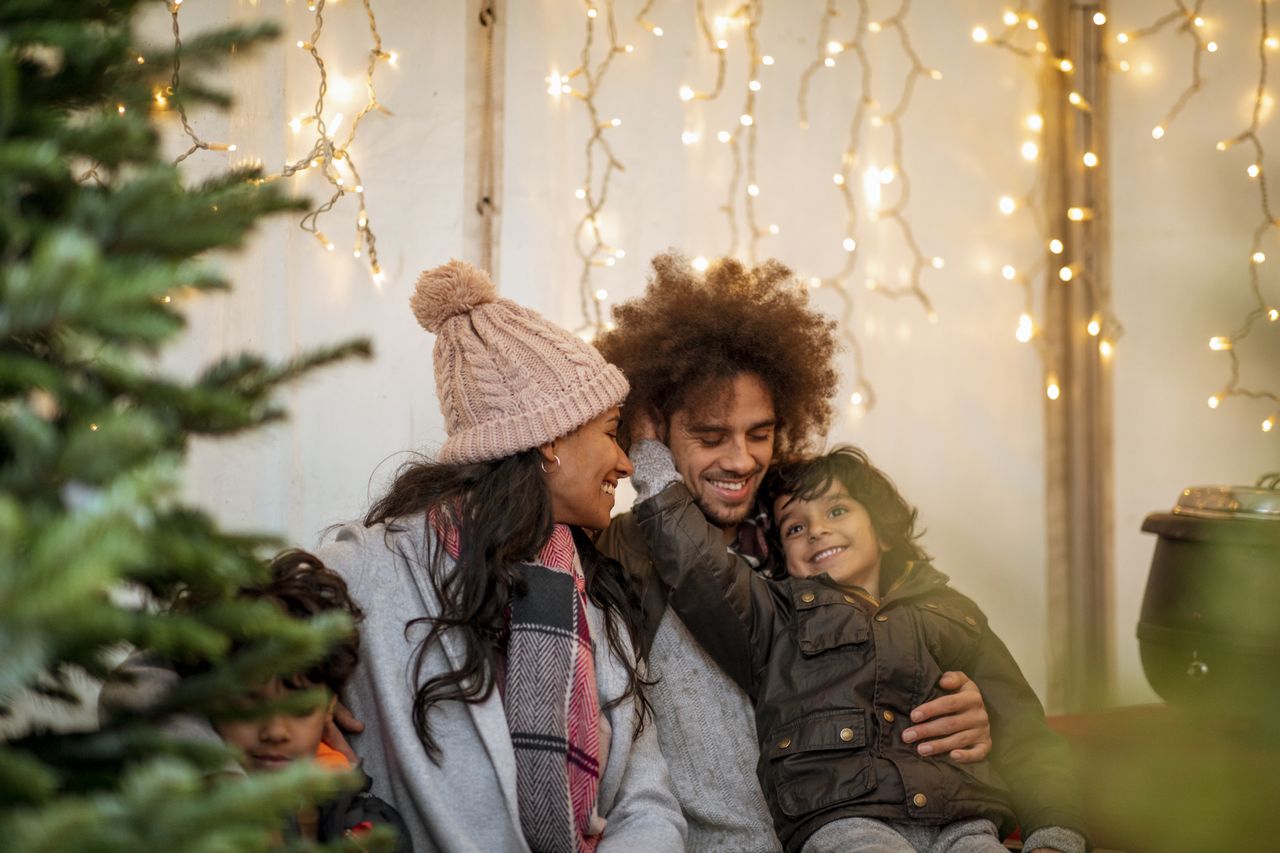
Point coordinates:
pixel 507 379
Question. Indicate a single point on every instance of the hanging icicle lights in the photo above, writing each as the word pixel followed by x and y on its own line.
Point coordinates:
pixel 590 244
pixel 330 154
pixel 872 179
pixel 1021 34
pixel 1188 19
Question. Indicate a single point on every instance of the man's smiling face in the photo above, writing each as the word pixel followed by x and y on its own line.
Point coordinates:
pixel 723 448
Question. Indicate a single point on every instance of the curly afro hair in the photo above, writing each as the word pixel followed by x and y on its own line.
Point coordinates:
pixel 688 334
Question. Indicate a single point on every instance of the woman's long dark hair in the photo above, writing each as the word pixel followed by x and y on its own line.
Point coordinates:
pixel 503 512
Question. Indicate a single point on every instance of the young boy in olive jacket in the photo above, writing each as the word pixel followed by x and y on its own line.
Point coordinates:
pixel 840 648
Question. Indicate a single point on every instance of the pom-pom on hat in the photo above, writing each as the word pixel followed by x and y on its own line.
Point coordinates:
pixel 507 379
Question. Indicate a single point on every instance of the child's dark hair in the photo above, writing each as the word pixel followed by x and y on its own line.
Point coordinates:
pixel 892 517
pixel 303 587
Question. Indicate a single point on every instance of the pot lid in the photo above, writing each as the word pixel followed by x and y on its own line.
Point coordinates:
pixel 1261 501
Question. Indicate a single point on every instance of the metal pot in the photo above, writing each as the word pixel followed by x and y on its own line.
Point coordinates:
pixel 1209 632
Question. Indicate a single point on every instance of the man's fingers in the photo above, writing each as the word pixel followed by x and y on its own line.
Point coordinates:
pixel 333 736
pixel 973 723
pixel 964 739
pixel 953 680
pixel 972 755
pixel 346 720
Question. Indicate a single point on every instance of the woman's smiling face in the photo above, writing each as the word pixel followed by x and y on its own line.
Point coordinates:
pixel 591 463
pixel 831 534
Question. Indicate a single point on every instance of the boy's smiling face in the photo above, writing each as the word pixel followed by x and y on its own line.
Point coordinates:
pixel 275 741
pixel 831 534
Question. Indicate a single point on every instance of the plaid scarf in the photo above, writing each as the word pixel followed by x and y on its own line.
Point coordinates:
pixel 553 710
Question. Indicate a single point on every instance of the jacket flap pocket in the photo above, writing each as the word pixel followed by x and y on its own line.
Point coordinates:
pixel 845 728
pixel 828 625
pixel 970 618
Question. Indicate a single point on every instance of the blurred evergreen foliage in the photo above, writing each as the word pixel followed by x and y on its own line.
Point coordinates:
pixel 98 232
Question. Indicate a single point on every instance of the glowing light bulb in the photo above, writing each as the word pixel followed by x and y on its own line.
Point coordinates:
pixel 1010 18
pixel 815 282
pixel 120 109
pixel 766 60
pixel 1075 99
pixel 1007 205
pixel 1035 122
pixel 1105 348
pixel 829 62
pixel 874 27
pixel 689 137
pixel 1055 246
pixel 1273 314
pixel 1259 257
pixel 615 122
pixel 686 93
pixel 724 136
pixel 1089 159
pixel 591 13
pixel 657 31
pixel 1008 272
pixel 1025 329
pixel 746 120
pixel 1198 21
pixel 1253 170
pixel 838 179
pixel 1157 132
pixel 1123 38
pixel 1030 151
pixel 834 48
pixel 1066 273
pixel 1099 18
pixel 774 230
pixel 295 124
pixel 753 190
pixel 1213 401
pixel 754 85
pixel 579 193
pixel 1051 388
pixel 937 263
pixel 1212 47
pixel 1066 65
pixel 1094 327
pixel 856 398
pixel 980 35
pixel 1271 42
pixel 1079 214
pixel 700 264
pixel 849 244
pixel 722 44
pixel 602 295
pixel 1033 24
pixel 1268 424
pixel 1219 343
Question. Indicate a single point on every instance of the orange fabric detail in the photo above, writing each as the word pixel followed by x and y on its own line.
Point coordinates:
pixel 330 759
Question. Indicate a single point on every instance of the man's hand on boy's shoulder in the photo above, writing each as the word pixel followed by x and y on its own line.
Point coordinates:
pixel 956 724
pixel 335 730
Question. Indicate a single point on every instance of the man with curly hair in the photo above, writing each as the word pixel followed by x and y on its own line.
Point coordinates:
pixel 734 370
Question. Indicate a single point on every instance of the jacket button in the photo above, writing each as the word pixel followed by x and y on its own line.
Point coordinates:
pixel 880 617
pixel 846 734
pixel 888 716
pixel 971 620
pixel 784 743
pixel 920 800
pixel 807 598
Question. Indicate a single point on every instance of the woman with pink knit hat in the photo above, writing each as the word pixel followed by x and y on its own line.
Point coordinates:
pixel 501 698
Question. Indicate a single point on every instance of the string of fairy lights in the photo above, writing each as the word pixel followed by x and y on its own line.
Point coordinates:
pixel 870 116
pixel 588 240
pixel 1189 20
pixel 743 192
pixel 330 154
pixel 1022 34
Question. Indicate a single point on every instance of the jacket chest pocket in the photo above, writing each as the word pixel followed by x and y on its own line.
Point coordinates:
pixel 817 761
pixel 827 620
pixel 951 633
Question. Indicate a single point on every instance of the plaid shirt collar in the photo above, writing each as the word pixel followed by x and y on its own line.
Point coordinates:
pixel 751 541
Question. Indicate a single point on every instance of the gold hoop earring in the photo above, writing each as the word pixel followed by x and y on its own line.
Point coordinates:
pixel 545 469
